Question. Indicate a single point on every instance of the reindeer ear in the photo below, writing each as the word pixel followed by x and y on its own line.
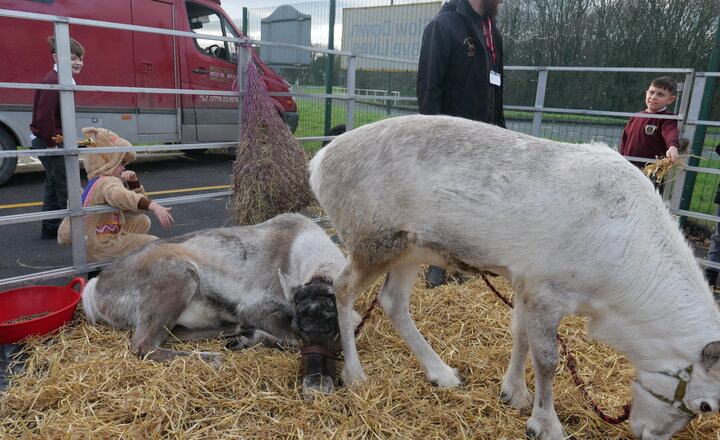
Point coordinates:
pixel 711 354
pixel 286 282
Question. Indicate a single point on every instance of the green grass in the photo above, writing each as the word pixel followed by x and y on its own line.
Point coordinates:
pixel 704 190
pixel 312 120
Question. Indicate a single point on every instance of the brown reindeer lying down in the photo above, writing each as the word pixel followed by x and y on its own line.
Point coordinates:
pixel 267 284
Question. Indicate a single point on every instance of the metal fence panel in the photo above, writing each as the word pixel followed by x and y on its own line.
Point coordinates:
pixel 359 97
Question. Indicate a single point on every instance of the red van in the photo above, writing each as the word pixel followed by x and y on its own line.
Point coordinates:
pixel 115 57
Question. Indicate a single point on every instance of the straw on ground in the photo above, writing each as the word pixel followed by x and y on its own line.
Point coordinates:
pixel 84 383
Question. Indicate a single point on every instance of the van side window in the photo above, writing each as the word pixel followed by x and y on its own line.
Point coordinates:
pixel 204 20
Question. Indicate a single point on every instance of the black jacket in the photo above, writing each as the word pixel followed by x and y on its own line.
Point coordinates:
pixel 454 67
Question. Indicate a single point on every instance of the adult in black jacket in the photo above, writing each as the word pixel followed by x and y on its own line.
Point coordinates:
pixel 460 71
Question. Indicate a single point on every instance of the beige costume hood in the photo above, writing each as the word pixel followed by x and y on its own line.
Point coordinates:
pixel 103 164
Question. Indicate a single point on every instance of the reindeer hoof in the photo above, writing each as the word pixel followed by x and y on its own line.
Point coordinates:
pixel 459 384
pixel 446 378
pixel 506 399
pixel 241 341
pixel 531 434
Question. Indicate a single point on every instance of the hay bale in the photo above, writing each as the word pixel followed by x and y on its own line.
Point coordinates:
pixel 270 173
pixel 83 383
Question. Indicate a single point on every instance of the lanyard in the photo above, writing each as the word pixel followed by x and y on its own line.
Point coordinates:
pixel 487 30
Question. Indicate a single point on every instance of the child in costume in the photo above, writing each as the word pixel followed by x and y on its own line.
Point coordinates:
pixel 109 235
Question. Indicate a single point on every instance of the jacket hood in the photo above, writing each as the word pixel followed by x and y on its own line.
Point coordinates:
pixel 462 7
pixel 103 164
pixel 450 5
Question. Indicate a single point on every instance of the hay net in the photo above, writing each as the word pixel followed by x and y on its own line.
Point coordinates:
pixel 270 174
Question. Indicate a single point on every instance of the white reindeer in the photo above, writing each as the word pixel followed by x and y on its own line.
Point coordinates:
pixel 575 228
pixel 266 284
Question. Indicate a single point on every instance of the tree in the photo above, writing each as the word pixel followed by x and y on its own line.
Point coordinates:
pixel 611 33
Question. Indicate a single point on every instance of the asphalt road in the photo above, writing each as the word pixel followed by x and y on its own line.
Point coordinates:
pixel 22 252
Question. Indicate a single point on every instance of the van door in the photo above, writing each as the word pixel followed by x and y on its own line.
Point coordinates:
pixel 211 65
pixel 155 59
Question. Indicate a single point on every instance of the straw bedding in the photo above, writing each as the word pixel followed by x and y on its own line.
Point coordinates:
pixel 83 383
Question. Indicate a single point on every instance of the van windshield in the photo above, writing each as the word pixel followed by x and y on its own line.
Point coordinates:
pixel 204 20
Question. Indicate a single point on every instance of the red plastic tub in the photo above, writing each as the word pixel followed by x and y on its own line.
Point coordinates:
pixel 60 301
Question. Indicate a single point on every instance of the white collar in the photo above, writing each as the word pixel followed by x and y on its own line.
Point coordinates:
pixel 71 77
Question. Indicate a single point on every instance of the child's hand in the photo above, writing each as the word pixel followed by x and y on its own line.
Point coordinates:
pixel 162 213
pixel 672 153
pixel 128 176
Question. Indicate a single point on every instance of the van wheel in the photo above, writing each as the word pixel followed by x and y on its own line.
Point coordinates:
pixel 7 164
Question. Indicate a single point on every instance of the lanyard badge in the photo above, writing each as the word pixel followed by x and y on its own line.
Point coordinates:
pixel 495 77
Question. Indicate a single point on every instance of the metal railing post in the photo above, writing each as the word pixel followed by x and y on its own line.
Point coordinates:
pixel 693 113
pixel 244 21
pixel 243 59
pixel 688 87
pixel 685 131
pixel 539 102
pixel 329 67
pixel 350 113
pixel 69 127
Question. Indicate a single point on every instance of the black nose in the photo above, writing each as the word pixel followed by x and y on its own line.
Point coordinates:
pixel 705 407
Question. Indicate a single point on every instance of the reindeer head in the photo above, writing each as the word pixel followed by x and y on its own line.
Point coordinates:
pixel 664 402
pixel 316 325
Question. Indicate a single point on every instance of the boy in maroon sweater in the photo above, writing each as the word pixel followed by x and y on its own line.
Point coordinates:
pixel 45 125
pixel 653 137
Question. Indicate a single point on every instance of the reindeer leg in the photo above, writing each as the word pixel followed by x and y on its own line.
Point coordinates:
pixel 544 315
pixel 160 312
pixel 267 322
pixel 348 286
pixel 394 298
pixel 251 337
pixel 194 334
pixel 514 390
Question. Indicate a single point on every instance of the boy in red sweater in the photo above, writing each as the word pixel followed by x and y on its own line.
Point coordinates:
pixel 45 125
pixel 653 137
